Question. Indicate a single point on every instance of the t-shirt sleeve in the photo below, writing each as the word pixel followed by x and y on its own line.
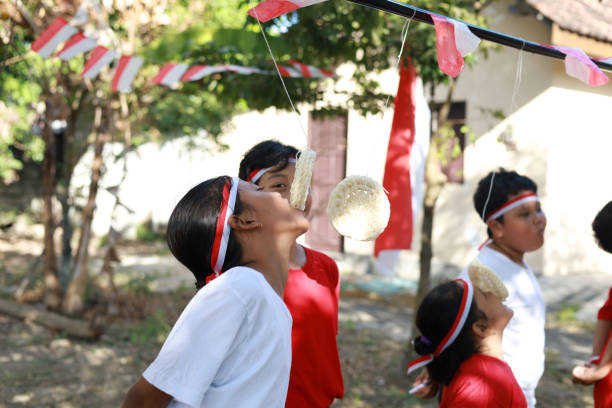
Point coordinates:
pixel 605 313
pixel 197 346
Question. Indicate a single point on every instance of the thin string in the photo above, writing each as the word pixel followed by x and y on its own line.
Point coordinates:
pixel 484 209
pixel 278 71
pixel 517 78
pixel 399 56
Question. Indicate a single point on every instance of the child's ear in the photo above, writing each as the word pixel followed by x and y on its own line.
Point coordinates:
pixel 497 228
pixel 243 223
pixel 479 328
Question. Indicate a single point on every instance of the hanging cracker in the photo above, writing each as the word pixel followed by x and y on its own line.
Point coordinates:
pixel 301 178
pixel 358 208
pixel 486 280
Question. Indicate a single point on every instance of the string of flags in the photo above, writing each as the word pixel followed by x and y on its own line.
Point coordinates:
pixel 454 41
pixel 127 67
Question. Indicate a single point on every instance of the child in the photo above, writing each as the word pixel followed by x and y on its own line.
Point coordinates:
pixel 311 293
pixel 599 369
pixel 461 345
pixel 508 204
pixel 231 345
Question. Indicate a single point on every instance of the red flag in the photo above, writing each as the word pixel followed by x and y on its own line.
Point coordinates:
pixel 398 168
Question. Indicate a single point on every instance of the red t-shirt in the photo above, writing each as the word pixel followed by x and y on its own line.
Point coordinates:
pixel 605 313
pixel 483 381
pixel 312 295
pixel 602 392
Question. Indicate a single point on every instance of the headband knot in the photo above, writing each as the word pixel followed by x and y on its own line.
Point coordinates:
pixel 462 314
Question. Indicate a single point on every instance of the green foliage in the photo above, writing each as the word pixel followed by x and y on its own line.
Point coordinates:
pixel 567 313
pixel 146 233
pixel 155 328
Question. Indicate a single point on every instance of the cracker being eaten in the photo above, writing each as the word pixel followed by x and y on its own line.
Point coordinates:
pixel 301 178
pixel 486 280
pixel 358 208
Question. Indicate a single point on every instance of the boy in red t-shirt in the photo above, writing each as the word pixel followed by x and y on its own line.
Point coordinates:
pixel 598 370
pixel 311 294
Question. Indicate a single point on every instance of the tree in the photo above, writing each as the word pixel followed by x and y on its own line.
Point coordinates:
pixel 55 116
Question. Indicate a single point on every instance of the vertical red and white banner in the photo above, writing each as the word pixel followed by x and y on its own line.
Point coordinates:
pixel 270 9
pixel 404 176
pixel 454 40
pixel 57 32
pixel 126 70
pixel 99 58
pixel 580 66
pixel 77 44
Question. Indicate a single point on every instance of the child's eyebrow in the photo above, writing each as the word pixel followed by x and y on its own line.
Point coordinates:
pixel 277 175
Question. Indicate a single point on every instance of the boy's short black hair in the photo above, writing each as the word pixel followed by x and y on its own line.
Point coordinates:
pixel 505 184
pixel 602 227
pixel 268 153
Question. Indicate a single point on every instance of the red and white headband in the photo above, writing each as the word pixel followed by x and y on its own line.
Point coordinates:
pixel 462 314
pixel 222 231
pixel 257 173
pixel 515 202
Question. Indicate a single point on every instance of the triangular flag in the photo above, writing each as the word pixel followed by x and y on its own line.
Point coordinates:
pixel 57 32
pixel 270 9
pixel 170 74
pixel 100 57
pixel 454 40
pixel 580 66
pixel 308 71
pixel 127 68
pixel 77 44
pixel 404 169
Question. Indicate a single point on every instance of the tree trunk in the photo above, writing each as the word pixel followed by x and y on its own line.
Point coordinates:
pixel 74 300
pixel 53 294
pixel 76 328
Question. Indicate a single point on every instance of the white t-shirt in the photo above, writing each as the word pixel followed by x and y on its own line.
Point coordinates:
pixel 231 346
pixel 523 339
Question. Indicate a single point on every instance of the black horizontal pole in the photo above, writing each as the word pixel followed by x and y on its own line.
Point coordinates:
pixel 423 16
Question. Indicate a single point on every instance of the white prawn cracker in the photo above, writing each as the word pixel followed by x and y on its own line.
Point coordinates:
pixel 301 178
pixel 486 280
pixel 358 208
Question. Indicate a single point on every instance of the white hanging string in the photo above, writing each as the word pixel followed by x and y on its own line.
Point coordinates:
pixel 399 56
pixel 278 71
pixel 484 209
pixel 517 79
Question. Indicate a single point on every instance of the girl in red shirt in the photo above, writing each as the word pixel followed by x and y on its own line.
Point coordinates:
pixel 598 370
pixel 460 345
pixel 311 293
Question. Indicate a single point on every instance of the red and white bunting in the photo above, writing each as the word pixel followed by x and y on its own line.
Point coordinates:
pixel 77 44
pixel 580 66
pixel 170 74
pixel 308 71
pixel 100 57
pixel 289 72
pixel 57 32
pixel 200 71
pixel 270 9
pixel 244 70
pixel 454 40
pixel 127 68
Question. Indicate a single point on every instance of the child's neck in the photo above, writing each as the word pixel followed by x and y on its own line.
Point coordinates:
pixel 271 258
pixel 298 256
pixel 511 253
pixel 492 346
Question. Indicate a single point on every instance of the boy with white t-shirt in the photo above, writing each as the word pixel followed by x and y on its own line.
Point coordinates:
pixel 508 204
pixel 231 346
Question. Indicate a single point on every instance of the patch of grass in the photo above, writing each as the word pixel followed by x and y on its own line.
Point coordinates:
pixel 154 329
pixel 568 313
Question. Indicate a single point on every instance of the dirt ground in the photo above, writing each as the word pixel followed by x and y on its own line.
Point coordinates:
pixel 42 368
